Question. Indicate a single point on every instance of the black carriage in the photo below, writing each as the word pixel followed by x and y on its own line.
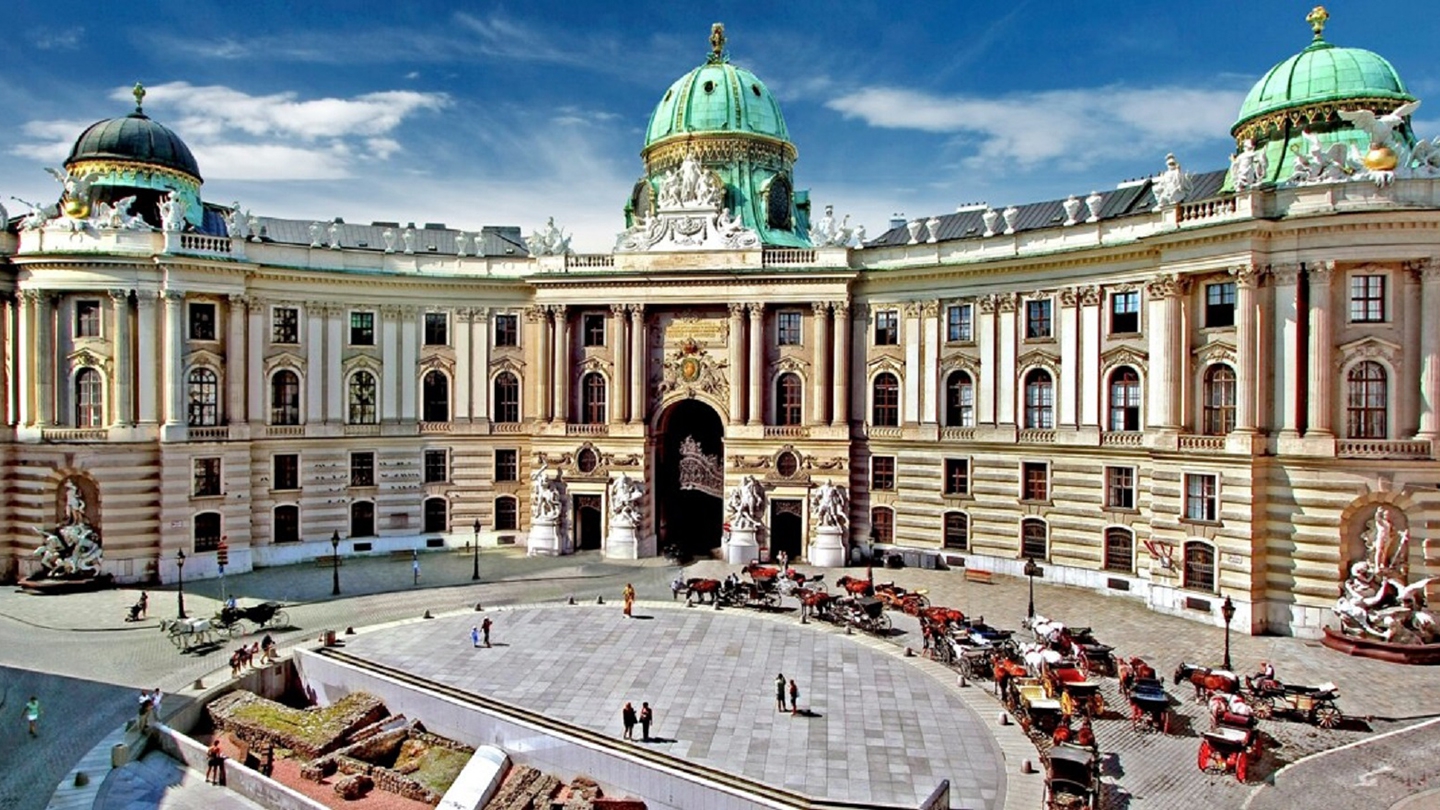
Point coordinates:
pixel 1314 704
pixel 1149 705
pixel 266 614
pixel 863 612
pixel 1092 655
pixel 1072 779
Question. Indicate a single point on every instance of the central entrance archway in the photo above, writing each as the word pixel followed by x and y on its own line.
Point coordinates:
pixel 690 478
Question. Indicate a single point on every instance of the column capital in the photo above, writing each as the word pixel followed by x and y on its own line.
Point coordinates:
pixel 1165 286
pixel 1090 296
pixel 172 296
pixel 819 308
pixel 841 310
pixel 146 298
pixel 1069 296
pixel 534 314
pixel 409 311
pixel 119 296
pixel 238 300
pixel 1286 274
pixel 391 311
pixel 558 310
pixel 1006 302
pixel 464 315
pixel 618 310
pixel 912 309
pixel 480 314
pixel 988 304
pixel 1247 275
pixel 637 311
pixel 1320 272
pixel 1427 270
pixel 757 310
pixel 930 309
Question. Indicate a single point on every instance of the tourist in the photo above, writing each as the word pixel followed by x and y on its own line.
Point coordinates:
pixel 155 704
pixel 485 630
pixel 32 714
pixel 645 718
pixel 475 636
pixel 794 697
pixel 415 565
pixel 236 661
pixel 143 604
pixel 627 718
pixel 267 647
pixel 628 596
pixel 676 586
pixel 142 719
pixel 780 691
pixel 253 656
pixel 214 763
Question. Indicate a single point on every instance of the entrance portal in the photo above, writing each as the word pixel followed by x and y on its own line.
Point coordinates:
pixel 587 522
pixel 690 479
pixel 785 529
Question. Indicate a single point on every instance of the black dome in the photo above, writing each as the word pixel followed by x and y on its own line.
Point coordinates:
pixel 134 137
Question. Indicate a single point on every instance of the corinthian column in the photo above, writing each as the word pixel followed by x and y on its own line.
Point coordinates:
pixel 840 350
pixel 930 365
pixel 120 302
pixel 1322 346
pixel 25 358
pixel 820 364
pixel 537 359
pixel 480 367
pixel 45 360
pixel 334 349
pixel 619 384
pixel 1247 338
pixel 256 310
pixel 148 338
pixel 639 357
pixel 735 346
pixel 1007 412
pixel 1069 322
pixel 562 364
pixel 757 361
pixel 1164 333
pixel 174 358
pixel 985 395
pixel 1286 390
pixel 1429 271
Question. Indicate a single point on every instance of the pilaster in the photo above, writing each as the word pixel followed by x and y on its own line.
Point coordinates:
pixel 335 393
pixel 1247 346
pixel 1007 413
pixel 1091 299
pixel 1286 390
pixel 409 358
pixel 25 353
pixel 561 408
pixel 1429 272
pixel 123 391
pixel 819 363
pixel 757 362
pixel 1406 394
pixel 480 369
pixel 620 382
pixel 464 363
pixel 1322 347
pixel 639 364
pixel 390 359
pixel 1069 300
pixel 174 360
pixel 146 353
pixel 930 366
pixel 985 397
pixel 840 402
pixel 735 346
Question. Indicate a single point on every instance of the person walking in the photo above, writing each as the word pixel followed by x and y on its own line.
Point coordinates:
pixel 780 691
pixel 144 604
pixel 628 596
pixel 627 718
pixel 415 565
pixel 214 763
pixel 794 697
pixel 142 719
pixel 32 715
pixel 474 636
pixel 155 704
pixel 645 717
pixel 485 630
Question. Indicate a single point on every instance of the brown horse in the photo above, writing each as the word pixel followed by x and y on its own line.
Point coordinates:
pixel 698 589
pixel 1131 670
pixel 1207 680
pixel 856 587
pixel 758 571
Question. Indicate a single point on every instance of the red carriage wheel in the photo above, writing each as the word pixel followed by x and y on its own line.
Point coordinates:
pixel 1135 717
pixel 1242 767
pixel 1165 727
pixel 1327 715
pixel 1204 758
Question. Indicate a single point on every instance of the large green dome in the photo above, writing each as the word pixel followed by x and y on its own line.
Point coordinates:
pixel 1320 74
pixel 716 97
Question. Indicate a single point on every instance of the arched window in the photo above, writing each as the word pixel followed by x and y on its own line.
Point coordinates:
pixel 287 525
pixel 957 530
pixel 203 395
pixel 505 406
pixel 506 514
pixel 1365 400
pixel 959 400
pixel 1034 537
pixel 1199 566
pixel 1218 411
pixel 435 390
pixel 207 532
pixel 362 398
pixel 437 515
pixel 89 398
pixel 788 401
pixel 1039 400
pixel 882 524
pixel 886 409
pixel 362 519
pixel 285 398
pixel 1119 550
pixel 1124 399
pixel 592 398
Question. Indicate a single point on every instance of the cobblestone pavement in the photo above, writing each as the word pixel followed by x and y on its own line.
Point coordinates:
pixel 1389 770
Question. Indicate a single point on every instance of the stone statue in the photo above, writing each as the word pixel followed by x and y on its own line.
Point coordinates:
pixel 314 229
pixel 1321 164
pixel 828 233
pixel 236 222
pixel 75 200
pixel 408 237
pixel 74 503
pixel 72 549
pixel 546 503
pixel 547 241
pixel 690 215
pixel 252 224
pixel 1375 600
pixel 334 236
pixel 625 495
pixel 1249 167
pixel 172 213
pixel 118 216
pixel 830 505
pixel 389 237
pixel 746 504
pixel 1380 128
pixel 1172 185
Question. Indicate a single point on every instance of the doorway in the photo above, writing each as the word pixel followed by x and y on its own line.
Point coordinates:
pixel 690 478
pixel 785 528
pixel 587 522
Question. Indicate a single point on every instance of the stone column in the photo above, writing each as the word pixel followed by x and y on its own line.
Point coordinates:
pixel 45 359
pixel 1164 347
pixel 1408 367
pixel 1429 271
pixel 757 363
pixel 561 408
pixel 620 382
pixel 25 358
pixel 639 364
pixel 463 366
pixel 537 326
pixel 390 380
pixel 1322 347
pixel 8 345
pixel 840 350
pixel 736 348
pixel 335 394
pixel 911 396
pixel 1007 410
pixel 819 364
pixel 1091 300
pixel 259 387
pixel 930 367
pixel 1247 340
pixel 480 372
pixel 314 343
pixel 235 363
pixel 1286 390
pixel 174 358
pixel 1066 393
pixel 145 356
pixel 985 393
pixel 409 358
pixel 124 396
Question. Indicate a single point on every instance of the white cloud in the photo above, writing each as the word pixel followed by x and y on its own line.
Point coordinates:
pixel 65 40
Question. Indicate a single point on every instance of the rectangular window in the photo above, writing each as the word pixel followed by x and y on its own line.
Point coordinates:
pixel 593 328
pixel 285 325
pixel 1220 304
pixel 362 469
pixel 957 476
pixel 957 531
pixel 1125 312
pixel 1120 487
pixel 1034 481
pixel 959 323
pixel 202 321
pixel 87 319
pixel 207 477
pixel 1119 550
pixel 362 329
pixel 507 465
pixel 286 473
pixel 1037 319
pixel 887 327
pixel 437 329
pixel 1202 497
pixel 787 327
pixel 1367 299
pixel 437 468
pixel 507 330
pixel 882 472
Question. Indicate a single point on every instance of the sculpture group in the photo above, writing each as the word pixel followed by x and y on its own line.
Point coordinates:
pixel 72 549
pixel 625 495
pixel 746 504
pixel 691 215
pixel 1376 602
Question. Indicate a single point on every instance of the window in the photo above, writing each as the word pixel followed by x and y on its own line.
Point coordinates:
pixel 507 465
pixel 207 478
pixel 362 469
pixel 1124 399
pixel 285 398
pixel 1120 487
pixel 89 398
pixel 882 472
pixel 882 525
pixel 1365 400
pixel 1125 312
pixel 957 530
pixel 507 330
pixel 788 399
pixel 285 325
pixel 362 398
pixel 437 515
pixel 959 400
pixel 1034 538
pixel 959 323
pixel 87 319
pixel 437 470
pixel 592 398
pixel 362 329
pixel 506 514
pixel 202 321
pixel 1039 400
pixel 207 532
pixel 957 476
pixel 886 409
pixel 287 524
pixel 1220 304
pixel 1367 299
pixel 1218 411
pixel 1034 481
pixel 1199 566
pixel 887 327
pixel 592 326
pixel 1119 550
pixel 437 329
pixel 1202 497
pixel 506 403
pixel 787 327
pixel 286 472
pixel 587 460
pixel 1037 319
pixel 436 391
pixel 362 519
pixel 202 408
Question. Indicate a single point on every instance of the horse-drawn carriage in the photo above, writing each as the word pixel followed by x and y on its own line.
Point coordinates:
pixel 863 613
pixel 266 614
pixel 188 634
pixel 1074 689
pixel 1314 704
pixel 1149 705
pixel 911 603
pixel 1027 699
pixel 1230 748
pixel 1075 642
pixel 1072 779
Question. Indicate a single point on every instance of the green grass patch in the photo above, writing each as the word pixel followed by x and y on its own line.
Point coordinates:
pixel 439 768
pixel 314 726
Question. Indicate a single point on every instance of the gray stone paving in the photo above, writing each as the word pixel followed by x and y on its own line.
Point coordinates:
pixel 157 782
pixel 879 729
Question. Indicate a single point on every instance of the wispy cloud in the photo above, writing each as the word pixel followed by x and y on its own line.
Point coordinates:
pixel 67 39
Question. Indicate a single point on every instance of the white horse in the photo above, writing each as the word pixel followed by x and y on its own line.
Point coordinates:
pixel 187 633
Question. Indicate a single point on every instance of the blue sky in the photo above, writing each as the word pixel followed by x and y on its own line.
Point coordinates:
pixel 508 113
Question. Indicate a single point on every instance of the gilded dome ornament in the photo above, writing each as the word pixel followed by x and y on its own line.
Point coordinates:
pixel 717 43
pixel 1317 18
pixel 139 93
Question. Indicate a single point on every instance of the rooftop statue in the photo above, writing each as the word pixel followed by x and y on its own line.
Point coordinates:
pixel 1249 167
pixel 1322 164
pixel 1172 185
pixel 172 213
pixel 828 233
pixel 547 241
pixel 75 201
pixel 691 215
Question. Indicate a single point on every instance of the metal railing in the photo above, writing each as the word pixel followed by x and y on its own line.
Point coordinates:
pixel 779 257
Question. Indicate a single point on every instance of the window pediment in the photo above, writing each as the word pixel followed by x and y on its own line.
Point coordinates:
pixel 85 357
pixel 204 357
pixel 1218 352
pixel 1038 357
pixel 1123 356
pixel 288 360
pixel 1368 348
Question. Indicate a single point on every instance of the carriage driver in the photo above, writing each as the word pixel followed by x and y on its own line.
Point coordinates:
pixel 1266 673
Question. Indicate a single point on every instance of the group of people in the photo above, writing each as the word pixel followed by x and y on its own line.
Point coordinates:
pixel 258 654
pixel 480 633
pixel 149 706
pixel 629 718
pixel 781 688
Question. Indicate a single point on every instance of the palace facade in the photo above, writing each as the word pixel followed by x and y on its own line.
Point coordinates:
pixel 1180 390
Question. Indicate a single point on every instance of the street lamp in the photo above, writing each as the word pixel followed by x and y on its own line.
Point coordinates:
pixel 335 562
pixel 1031 571
pixel 475 575
pixel 180 595
pixel 1227 610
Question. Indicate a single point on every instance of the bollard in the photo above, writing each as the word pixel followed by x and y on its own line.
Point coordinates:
pixel 350 631
pixel 81 780
pixel 1004 719
pixel 962 681
pixel 479 607
pixel 599 600
pixel 909 653
pixel 198 685
pixel 570 601
pixel 427 615
pixel 848 631
pixel 1026 766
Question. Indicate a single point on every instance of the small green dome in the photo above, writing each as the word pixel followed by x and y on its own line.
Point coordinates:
pixel 1320 74
pixel 134 138
pixel 717 97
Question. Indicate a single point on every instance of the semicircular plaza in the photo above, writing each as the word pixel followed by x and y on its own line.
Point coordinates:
pixel 872 727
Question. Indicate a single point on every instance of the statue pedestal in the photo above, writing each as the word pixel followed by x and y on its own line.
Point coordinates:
pixel 544 540
pixel 742 548
pixel 622 543
pixel 828 549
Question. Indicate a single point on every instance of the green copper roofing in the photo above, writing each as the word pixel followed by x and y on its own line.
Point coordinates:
pixel 1323 73
pixel 717 97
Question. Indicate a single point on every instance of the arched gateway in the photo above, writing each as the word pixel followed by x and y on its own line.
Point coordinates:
pixel 690 478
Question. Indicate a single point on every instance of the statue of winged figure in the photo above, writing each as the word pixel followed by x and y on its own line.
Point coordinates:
pixel 1380 128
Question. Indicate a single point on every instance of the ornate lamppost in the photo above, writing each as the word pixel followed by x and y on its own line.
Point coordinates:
pixel 1227 611
pixel 180 594
pixel 335 562
pixel 1031 571
pixel 475 574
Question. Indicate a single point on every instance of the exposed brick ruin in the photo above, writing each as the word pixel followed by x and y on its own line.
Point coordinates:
pixel 310 733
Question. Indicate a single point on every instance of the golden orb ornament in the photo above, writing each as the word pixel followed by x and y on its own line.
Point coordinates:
pixel 75 208
pixel 1380 159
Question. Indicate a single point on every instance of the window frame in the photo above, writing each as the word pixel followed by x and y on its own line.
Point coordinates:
pixel 365 332
pixel 951 527
pixel 89 389
pixel 1108 558
pixel 90 322
pixel 1202 502
pixel 959 399
pixel 887 327
pixel 956 477
pixel 1039 406
pixel 195 325
pixel 885 411
pixel 789 399
pixel 429 466
pixel 291 469
pixel 1367 406
pixel 507 464
pixel 436 328
pixel 1035 482
pixel 1220 304
pixel 1039 319
pixel 592 329
pixel 362 468
pixel 207 477
pixel 212 537
pixel 432 408
pixel 429 522
pixel 1027 550
pixel 960 323
pixel 1126 299
pixel 357 410
pixel 204 410
pixel 882 529
pixel 505 330
pixel 1121 483
pixel 789 327
pixel 1217 400
pixel 284 322
pixel 283 411
pixel 1124 409
pixel 1370 305
pixel 883 478
pixel 1201 570
pixel 501 407
pixel 293 533
pixel 358 522
pixel 594 390
pixel 507 513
